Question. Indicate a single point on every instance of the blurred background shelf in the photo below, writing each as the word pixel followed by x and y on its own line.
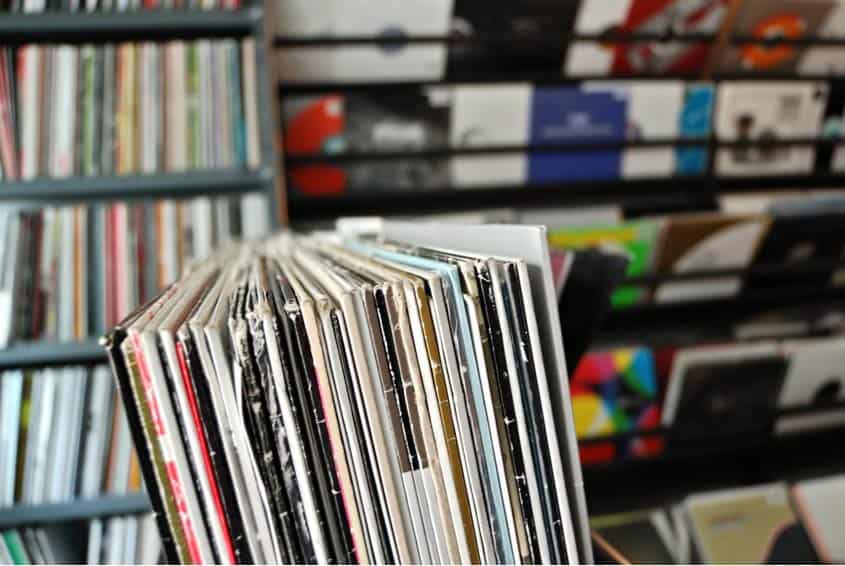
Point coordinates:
pixel 46 354
pixel 127 26
pixel 167 185
pixel 78 510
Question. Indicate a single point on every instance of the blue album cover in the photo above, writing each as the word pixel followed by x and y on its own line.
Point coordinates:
pixel 570 115
pixel 696 120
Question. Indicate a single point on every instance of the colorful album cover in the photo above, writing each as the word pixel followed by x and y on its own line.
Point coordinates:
pixel 764 19
pixel 638 239
pixel 735 386
pixel 400 121
pixel 820 503
pixel 763 113
pixel 644 16
pixel 695 122
pixel 315 125
pixel 571 115
pixel 615 391
pixel 753 525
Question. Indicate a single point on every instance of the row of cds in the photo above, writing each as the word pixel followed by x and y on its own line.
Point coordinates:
pixel 40 6
pixel 127 108
pixel 63 436
pixel 360 396
pixel 69 273
pixel 58 544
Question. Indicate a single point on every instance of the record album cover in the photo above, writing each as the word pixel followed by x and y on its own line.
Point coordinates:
pixel 734 386
pixel 637 239
pixel 695 122
pixel 391 60
pixel 522 19
pixel 653 111
pixel 767 112
pixel 644 16
pixel 616 391
pixel 315 125
pixel 490 115
pixel 797 238
pixel 816 375
pixel 571 115
pixel 706 242
pixel 820 504
pixel 763 19
pixel 753 525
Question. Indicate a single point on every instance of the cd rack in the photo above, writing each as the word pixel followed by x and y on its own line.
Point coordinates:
pixel 251 20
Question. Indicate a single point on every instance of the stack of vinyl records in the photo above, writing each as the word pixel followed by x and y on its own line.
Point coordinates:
pixel 367 395
pixel 71 272
pixel 127 108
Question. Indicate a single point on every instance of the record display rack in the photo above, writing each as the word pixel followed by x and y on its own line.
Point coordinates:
pixel 641 193
pixel 665 480
pixel 252 20
pixel 77 510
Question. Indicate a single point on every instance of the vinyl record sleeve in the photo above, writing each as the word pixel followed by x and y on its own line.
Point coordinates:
pixel 141 426
pixel 302 315
pixel 466 350
pixel 221 496
pixel 748 525
pixel 814 375
pixel 309 299
pixel 258 427
pixel 308 404
pixel 188 415
pixel 818 503
pixel 737 384
pixel 258 515
pixel 293 421
pixel 529 243
pixel 436 340
pixel 354 390
pixel 360 286
pixel 203 378
pixel 489 379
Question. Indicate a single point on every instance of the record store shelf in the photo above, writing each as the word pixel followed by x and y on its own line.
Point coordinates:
pixel 45 354
pixel 78 510
pixel 126 26
pixel 168 185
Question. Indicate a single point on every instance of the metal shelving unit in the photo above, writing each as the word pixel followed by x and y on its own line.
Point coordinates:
pixel 17 29
pixel 165 185
pixel 45 354
pixel 77 510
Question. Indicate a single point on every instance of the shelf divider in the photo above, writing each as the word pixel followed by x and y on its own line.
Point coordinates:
pixel 80 509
